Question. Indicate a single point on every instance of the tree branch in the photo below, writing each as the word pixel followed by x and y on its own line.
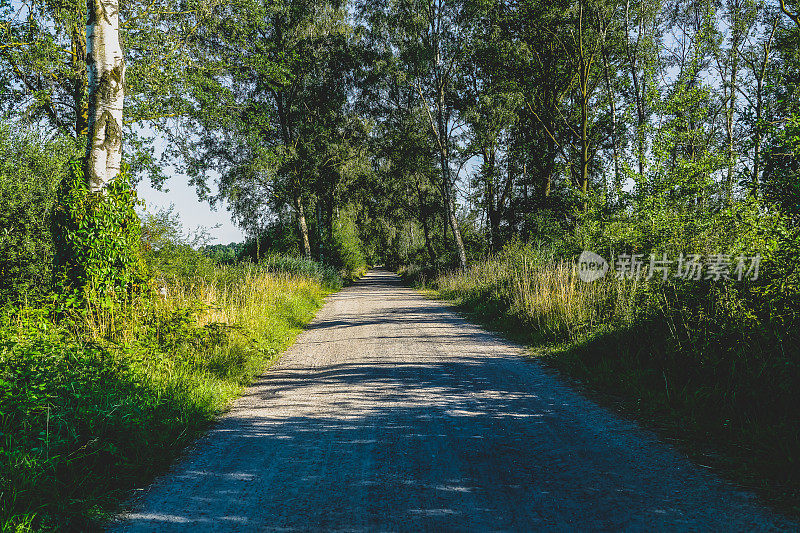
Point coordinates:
pixel 794 16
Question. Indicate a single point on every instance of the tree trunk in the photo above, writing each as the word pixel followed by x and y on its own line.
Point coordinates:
pixel 320 235
pixel 301 222
pixel 759 74
pixel 754 186
pixel 585 155
pixel 451 212
pixel 585 66
pixel 731 107
pixel 447 185
pixel 462 255
pixel 492 208
pixel 106 78
pixel 614 145
pixel 639 86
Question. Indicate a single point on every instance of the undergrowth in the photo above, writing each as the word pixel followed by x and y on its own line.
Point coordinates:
pixel 98 398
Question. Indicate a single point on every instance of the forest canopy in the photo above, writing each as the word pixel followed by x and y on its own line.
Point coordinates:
pixel 444 128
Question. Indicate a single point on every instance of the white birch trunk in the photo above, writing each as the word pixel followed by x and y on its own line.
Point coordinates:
pixel 106 71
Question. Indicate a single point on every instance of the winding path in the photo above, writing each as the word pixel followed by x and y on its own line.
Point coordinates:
pixel 393 413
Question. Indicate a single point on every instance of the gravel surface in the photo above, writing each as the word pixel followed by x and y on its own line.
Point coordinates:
pixel 393 413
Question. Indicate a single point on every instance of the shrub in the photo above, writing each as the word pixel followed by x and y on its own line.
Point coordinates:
pixel 97 236
pixel 300 266
pixel 716 362
pixel 348 250
pixel 31 168
pixel 105 397
pixel 171 254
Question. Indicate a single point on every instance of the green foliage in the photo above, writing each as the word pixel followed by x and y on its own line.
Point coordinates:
pixel 277 238
pixel 680 120
pixel 348 251
pixel 171 254
pixel 31 167
pixel 97 235
pixel 223 253
pixel 88 411
pixel 782 180
pixel 327 276
pixel 776 294
pixel 714 362
pixel 658 225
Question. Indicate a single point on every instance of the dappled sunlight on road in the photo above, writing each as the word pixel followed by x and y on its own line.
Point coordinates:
pixel 393 413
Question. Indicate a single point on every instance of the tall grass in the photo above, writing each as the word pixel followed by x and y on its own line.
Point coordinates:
pixel 323 273
pixel 528 285
pixel 98 399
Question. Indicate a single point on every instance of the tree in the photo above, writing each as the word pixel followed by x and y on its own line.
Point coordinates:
pixel 264 101
pixel 436 36
pixel 794 15
pixel 106 68
pixel 642 48
pixel 418 41
pixel 43 70
pixel 44 58
pixel 490 105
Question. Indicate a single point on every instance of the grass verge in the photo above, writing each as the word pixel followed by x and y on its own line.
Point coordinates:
pixel 98 400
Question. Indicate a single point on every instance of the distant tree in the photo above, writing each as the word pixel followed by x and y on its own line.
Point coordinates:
pixel 266 107
pixel 421 41
pixel 491 102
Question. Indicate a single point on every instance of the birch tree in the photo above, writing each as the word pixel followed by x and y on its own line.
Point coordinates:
pixel 106 69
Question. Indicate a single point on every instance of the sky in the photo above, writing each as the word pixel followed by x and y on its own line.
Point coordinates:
pixel 193 213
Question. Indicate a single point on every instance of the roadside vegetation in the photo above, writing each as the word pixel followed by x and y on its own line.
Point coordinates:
pixel 98 399
pixel 100 390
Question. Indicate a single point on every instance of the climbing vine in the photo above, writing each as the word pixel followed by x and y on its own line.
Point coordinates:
pixel 97 236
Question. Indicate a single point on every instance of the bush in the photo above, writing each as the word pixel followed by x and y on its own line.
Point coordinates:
pixel 31 168
pixel 300 266
pixel 97 236
pixel 716 362
pixel 348 252
pixel 170 254
pixel 104 398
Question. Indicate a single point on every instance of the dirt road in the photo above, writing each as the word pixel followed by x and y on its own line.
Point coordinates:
pixel 392 413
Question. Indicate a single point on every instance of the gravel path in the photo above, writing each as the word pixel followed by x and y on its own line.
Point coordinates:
pixel 393 413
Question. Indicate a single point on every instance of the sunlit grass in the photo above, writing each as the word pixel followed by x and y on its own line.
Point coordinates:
pixel 102 398
pixel 542 293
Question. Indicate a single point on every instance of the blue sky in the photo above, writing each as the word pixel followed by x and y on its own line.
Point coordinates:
pixel 192 212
